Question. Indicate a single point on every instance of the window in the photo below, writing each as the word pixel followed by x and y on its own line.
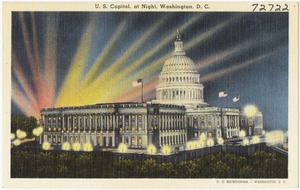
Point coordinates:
pixel 110 141
pixel 71 139
pixel 104 141
pixel 210 134
pixel 133 140
pixel 99 140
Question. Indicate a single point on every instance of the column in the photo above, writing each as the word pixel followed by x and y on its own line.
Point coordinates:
pixel 169 122
pixel 144 122
pixel 123 121
pixel 129 124
pixel 63 121
pixel 101 122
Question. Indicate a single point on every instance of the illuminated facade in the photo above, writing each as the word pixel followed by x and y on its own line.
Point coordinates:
pixel 178 114
pixel 252 125
pixel 108 125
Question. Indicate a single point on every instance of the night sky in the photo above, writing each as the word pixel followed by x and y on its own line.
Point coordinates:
pixel 73 58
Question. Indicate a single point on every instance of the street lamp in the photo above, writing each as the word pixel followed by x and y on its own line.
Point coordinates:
pixel 220 141
pixel 88 147
pixel 250 110
pixel 210 142
pixel 122 147
pixel 166 150
pixel 46 146
pixel 66 146
pixel 151 149
pixel 76 146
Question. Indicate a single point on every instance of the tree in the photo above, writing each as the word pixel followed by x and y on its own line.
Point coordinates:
pixel 246 172
pixel 23 123
pixel 166 170
pixel 188 169
pixel 148 168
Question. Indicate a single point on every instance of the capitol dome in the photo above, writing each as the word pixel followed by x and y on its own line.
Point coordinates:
pixel 179 81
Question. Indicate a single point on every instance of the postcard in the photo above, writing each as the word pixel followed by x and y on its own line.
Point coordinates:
pixel 157 95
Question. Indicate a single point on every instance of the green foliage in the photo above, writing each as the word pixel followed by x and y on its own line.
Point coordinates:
pixel 51 164
pixel 23 123
pixel 246 172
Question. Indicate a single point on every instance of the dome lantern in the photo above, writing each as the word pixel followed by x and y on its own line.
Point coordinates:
pixel 178 45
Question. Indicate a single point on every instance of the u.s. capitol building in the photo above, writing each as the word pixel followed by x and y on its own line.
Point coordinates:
pixel 178 115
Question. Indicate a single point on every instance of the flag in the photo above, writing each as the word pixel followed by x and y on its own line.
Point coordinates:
pixel 137 83
pixel 235 99
pixel 222 94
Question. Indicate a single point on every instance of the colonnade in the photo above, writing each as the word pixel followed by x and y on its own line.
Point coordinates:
pixel 172 139
pixel 179 94
pixel 94 122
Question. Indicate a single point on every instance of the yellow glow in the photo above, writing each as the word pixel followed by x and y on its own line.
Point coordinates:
pixel 12 136
pixel 166 150
pixel 120 76
pixel 16 142
pixel 246 141
pixel 37 131
pixel 88 93
pixel 242 134
pixel 220 141
pixel 103 55
pixel 263 132
pixel 21 134
pixel 191 145
pixel 122 147
pixel 46 146
pixel 102 82
pixel 201 144
pixel 66 95
pixel 154 66
pixel 210 142
pixel 255 139
pixel 151 149
pixel 275 137
pixel 66 146
pixel 250 110
pixel 76 146
pixel 203 137
pixel 88 147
